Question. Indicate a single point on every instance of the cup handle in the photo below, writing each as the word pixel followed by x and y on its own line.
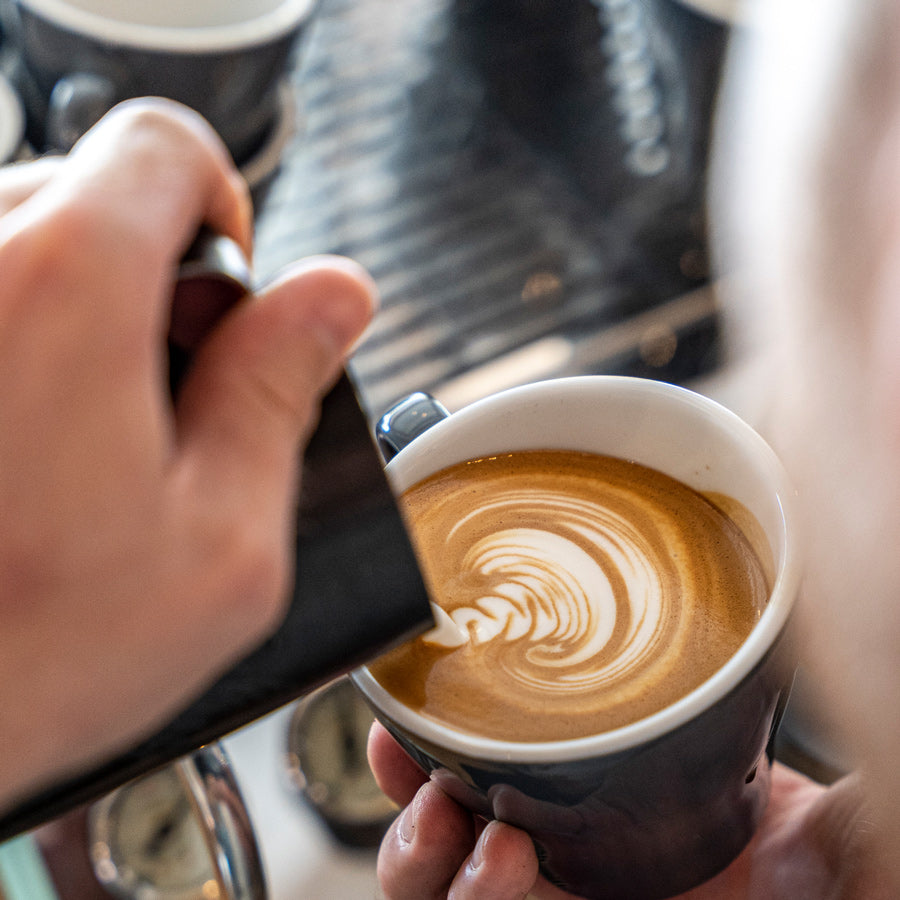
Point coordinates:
pixel 405 421
pixel 77 102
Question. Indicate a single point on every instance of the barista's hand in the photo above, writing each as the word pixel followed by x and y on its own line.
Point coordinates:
pixel 142 547
pixel 812 844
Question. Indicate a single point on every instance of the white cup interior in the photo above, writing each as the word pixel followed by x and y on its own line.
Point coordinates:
pixel 668 428
pixel 176 25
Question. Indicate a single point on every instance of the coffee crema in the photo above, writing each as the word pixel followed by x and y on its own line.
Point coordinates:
pixel 575 593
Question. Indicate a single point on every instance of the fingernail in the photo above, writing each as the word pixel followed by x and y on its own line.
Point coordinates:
pixel 342 293
pixel 477 857
pixel 406 825
pixel 351 268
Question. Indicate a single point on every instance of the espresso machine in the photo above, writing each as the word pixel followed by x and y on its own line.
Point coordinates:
pixel 526 182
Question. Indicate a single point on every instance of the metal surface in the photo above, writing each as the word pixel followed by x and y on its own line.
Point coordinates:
pixel 184 833
pixel 523 178
pixel 405 421
pixel 208 778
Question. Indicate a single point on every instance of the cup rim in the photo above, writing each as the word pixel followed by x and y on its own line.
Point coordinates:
pixel 264 163
pixel 764 635
pixel 261 29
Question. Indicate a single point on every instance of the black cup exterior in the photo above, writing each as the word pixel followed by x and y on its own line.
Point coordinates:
pixel 236 90
pixel 644 823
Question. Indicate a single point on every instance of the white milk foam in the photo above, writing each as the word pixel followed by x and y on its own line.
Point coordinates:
pixel 552 589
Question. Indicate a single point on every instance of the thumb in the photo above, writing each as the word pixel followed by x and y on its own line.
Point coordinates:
pixel 252 395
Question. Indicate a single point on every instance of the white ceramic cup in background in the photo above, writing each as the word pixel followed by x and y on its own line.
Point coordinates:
pixel 653 808
pixel 75 59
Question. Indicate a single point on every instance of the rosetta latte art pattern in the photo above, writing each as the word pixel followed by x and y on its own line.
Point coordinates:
pixel 577 592
pixel 572 591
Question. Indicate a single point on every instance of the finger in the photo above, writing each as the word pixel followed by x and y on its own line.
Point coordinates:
pixel 512 805
pixel 396 773
pixel 425 847
pixel 112 222
pixel 833 819
pixel 20 180
pixel 841 829
pixel 172 159
pixel 249 400
pixel 503 866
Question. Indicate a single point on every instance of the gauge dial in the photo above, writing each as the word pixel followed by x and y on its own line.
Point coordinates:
pixel 148 842
pixel 327 760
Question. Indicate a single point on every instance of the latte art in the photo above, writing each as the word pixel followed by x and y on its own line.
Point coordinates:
pixel 574 593
pixel 578 591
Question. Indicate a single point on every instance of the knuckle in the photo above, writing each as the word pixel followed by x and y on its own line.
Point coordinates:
pixel 61 236
pixel 57 277
pixel 162 140
pixel 162 122
pixel 281 402
pixel 41 259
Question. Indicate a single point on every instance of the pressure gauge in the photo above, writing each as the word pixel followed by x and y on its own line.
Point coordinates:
pixel 180 833
pixel 327 739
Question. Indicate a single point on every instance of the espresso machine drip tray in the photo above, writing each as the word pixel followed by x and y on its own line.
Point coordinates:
pixel 523 178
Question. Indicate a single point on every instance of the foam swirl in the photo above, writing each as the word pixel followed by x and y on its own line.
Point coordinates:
pixel 578 592
pixel 572 587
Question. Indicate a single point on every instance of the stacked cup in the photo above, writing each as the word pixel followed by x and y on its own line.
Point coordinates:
pixel 230 60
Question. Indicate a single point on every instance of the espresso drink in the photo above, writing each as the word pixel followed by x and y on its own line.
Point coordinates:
pixel 577 593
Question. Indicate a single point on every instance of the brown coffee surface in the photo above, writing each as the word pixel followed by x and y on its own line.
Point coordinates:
pixel 580 593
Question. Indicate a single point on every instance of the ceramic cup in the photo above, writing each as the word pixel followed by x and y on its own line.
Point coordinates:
pixel 228 59
pixel 651 809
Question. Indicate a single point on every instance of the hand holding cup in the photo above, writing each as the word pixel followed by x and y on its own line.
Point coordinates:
pixel 645 806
